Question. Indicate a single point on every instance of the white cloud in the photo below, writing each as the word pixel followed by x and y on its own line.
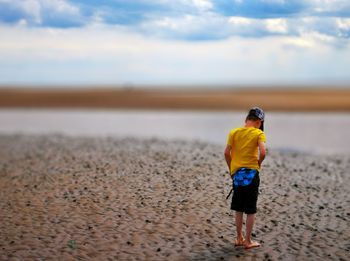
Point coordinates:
pixel 299 42
pixel 108 54
pixel 60 6
pixel 200 5
pixel 214 26
pixel 22 22
pixel 203 4
pixel 187 26
pixel 167 22
pixel 276 25
pixel 237 20
pixel 329 6
pixel 274 1
pixel 312 40
pixel 30 7
pixel 343 23
pixel 252 26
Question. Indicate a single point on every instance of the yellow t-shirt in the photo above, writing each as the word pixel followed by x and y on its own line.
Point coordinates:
pixel 244 143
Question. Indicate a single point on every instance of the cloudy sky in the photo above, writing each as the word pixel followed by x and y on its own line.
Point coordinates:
pixel 209 42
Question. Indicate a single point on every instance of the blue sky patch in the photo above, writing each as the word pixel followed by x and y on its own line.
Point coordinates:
pixel 259 8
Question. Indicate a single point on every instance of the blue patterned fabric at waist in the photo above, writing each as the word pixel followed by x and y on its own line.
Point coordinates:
pixel 244 176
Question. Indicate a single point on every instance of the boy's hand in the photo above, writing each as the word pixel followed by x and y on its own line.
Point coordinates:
pixel 262 152
pixel 228 158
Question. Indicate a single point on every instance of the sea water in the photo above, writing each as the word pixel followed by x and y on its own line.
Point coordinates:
pixel 325 133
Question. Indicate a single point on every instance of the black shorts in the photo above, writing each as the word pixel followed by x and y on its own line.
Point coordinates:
pixel 244 198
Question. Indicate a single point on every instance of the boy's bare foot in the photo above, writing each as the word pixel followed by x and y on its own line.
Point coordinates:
pixel 239 241
pixel 251 244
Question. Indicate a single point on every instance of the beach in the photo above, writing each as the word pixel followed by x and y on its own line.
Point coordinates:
pixel 108 198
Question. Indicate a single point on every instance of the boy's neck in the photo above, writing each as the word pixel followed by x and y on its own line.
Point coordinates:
pixel 249 124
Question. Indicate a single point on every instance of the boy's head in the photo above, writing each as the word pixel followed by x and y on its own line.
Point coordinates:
pixel 257 115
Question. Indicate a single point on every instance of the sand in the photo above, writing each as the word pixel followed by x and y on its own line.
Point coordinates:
pixel 65 198
pixel 320 98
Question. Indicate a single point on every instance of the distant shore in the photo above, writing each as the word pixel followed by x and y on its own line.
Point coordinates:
pixel 272 99
pixel 149 199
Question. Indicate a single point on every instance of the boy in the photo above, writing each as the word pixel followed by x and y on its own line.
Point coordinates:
pixel 244 162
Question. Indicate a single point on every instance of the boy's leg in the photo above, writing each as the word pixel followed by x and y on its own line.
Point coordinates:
pixel 249 228
pixel 239 224
pixel 251 201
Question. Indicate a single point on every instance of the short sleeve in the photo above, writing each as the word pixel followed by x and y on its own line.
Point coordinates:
pixel 230 138
pixel 262 137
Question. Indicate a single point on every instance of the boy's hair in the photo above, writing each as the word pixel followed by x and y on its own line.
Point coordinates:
pixel 256 114
pixel 252 118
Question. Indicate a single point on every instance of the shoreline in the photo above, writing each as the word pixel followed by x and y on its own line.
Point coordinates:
pixel 285 130
pixel 118 198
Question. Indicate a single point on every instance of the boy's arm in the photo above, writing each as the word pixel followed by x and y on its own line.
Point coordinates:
pixel 262 152
pixel 228 156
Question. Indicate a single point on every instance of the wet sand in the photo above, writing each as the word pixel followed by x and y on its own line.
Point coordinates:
pixel 65 198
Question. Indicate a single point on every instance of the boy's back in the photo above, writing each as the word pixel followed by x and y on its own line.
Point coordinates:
pixel 244 143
